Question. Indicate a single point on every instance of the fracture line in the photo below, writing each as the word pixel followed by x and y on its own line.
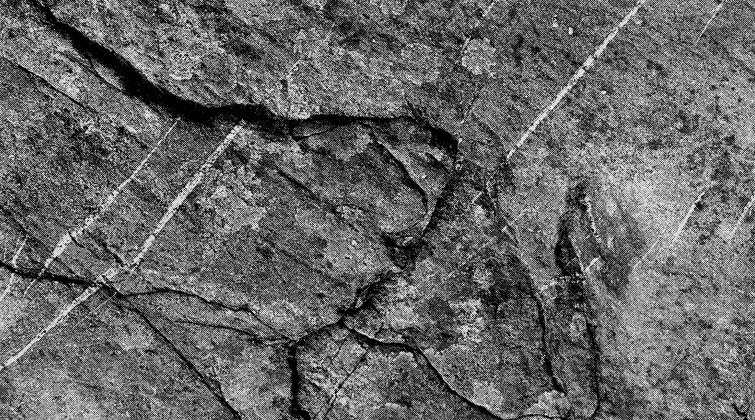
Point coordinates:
pixel 93 311
pixel 575 78
pixel 713 15
pixel 108 275
pixel 104 206
pixel 14 264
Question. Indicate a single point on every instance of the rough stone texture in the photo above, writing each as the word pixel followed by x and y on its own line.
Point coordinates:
pixel 361 250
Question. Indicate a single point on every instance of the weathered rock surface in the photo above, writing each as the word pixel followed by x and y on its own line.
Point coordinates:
pixel 361 250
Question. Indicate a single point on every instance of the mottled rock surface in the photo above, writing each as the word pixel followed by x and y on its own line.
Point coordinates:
pixel 361 250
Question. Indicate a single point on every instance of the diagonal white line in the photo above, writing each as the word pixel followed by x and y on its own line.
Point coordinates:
pixel 683 222
pixel 713 15
pixel 742 216
pixel 58 318
pixel 104 206
pixel 108 275
pixel 679 229
pixel 574 79
pixel 181 197
pixel 13 263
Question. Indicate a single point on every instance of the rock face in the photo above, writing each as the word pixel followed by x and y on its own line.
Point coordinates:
pixel 361 249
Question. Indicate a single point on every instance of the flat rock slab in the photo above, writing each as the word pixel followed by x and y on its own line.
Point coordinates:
pixel 360 249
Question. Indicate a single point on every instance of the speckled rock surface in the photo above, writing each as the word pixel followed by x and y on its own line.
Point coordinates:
pixel 360 249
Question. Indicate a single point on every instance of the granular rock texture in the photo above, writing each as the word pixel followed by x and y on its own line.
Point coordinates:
pixel 375 238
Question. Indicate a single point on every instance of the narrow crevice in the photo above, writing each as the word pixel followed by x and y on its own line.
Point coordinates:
pixel 212 385
pixel 568 258
pixel 235 308
pixel 313 196
pixel 49 85
pixel 500 182
pixel 340 386
pixel 440 137
pixel 297 382
pixel 253 337
pixel 548 365
pixel 405 174
pixel 542 320
pixel 596 364
pixel 444 205
pixel 32 274
pixel 298 130
pixel 400 251
pixel 364 297
pixel 405 252
pixel 137 85
pixel 102 247
pixel 422 359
